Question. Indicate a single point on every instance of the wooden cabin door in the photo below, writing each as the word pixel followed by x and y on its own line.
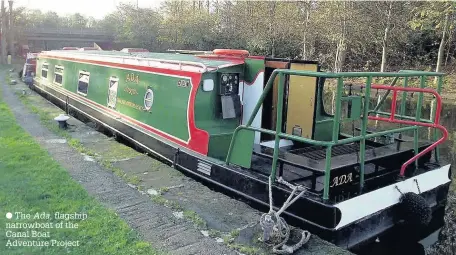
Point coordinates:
pixel 301 101
pixel 269 116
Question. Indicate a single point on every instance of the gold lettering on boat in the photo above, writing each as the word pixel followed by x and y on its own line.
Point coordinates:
pixel 130 104
pixel 131 91
pixel 131 77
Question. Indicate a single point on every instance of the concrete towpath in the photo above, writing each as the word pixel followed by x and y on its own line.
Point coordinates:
pixel 172 211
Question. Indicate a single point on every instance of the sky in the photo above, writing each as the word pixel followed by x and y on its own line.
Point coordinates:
pixel 95 8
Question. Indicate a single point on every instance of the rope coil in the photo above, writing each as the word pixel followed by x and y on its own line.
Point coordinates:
pixel 275 228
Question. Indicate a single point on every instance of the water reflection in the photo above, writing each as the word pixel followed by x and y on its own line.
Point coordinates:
pixel 399 248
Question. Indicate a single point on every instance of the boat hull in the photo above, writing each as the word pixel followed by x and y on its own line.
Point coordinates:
pixel 309 212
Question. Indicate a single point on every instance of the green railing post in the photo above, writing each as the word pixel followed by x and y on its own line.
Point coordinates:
pixel 419 104
pixel 278 130
pixel 263 95
pixel 327 173
pixel 319 95
pixel 439 83
pixel 365 119
pixel 337 112
pixel 230 149
pixel 404 97
pixel 403 102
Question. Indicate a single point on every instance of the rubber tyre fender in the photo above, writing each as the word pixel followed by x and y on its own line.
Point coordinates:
pixel 415 210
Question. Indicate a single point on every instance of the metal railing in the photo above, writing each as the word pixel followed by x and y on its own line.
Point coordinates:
pixel 393 119
pixel 337 116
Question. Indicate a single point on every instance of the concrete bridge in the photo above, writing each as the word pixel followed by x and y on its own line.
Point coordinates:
pixel 54 38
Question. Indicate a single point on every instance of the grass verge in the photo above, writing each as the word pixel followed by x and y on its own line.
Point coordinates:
pixel 32 182
pixel 46 117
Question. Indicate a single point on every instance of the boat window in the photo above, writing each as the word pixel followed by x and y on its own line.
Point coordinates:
pixel 208 85
pixel 44 70
pixel 148 99
pixel 112 91
pixel 58 74
pixel 83 83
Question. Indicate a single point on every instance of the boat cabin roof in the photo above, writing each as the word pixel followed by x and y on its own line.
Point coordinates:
pixel 184 62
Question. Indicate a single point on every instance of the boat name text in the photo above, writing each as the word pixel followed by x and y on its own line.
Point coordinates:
pixel 134 78
pixel 342 179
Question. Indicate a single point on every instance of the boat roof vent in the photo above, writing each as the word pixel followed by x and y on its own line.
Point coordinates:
pixel 130 50
pixel 88 48
pixel 70 48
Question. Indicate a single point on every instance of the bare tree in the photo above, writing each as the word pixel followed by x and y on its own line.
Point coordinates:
pixel 385 37
pixel 341 47
pixel 442 43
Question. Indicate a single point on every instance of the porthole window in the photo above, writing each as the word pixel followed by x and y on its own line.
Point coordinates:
pixel 148 99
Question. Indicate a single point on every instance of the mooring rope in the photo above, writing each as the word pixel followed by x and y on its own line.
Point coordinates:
pixel 276 228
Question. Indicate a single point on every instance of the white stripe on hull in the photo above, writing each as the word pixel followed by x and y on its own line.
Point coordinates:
pixel 359 207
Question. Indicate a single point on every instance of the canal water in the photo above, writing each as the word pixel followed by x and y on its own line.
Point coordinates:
pixel 447 150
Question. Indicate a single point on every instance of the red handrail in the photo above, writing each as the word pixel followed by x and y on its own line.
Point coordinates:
pixel 391 119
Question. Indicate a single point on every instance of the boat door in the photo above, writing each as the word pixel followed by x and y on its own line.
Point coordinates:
pixel 302 94
pixel 112 92
pixel 269 114
pixel 299 99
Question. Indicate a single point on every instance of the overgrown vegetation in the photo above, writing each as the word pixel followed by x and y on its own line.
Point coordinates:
pixel 229 240
pixel 361 35
pixel 248 250
pixel 33 182
pixel 195 218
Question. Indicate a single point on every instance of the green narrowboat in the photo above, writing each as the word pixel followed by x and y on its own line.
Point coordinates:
pixel 257 128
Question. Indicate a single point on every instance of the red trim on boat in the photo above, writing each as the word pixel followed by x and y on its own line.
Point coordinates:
pixel 234 59
pixel 126 66
pixel 392 118
pixel 199 138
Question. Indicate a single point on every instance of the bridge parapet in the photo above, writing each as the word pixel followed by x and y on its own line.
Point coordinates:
pixel 89 35
pixel 66 31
